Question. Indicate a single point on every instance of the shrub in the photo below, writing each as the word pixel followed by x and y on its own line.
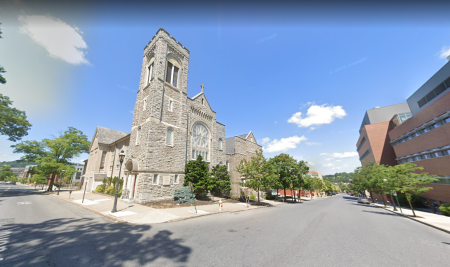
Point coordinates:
pixel 269 197
pixel 252 197
pixel 120 193
pixel 100 189
pixel 445 208
pixel 110 190
pixel 184 194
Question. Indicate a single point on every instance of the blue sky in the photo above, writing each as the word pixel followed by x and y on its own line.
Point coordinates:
pixel 299 78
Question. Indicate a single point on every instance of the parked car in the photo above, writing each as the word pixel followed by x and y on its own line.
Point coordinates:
pixel 363 201
pixel 333 194
pixel 11 182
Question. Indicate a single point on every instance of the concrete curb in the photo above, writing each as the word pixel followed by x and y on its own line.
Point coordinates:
pixel 414 219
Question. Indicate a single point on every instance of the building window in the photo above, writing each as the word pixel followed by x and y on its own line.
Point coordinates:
pixel 169 137
pixel 170 105
pixel 117 166
pixel 138 136
pixel 155 179
pixel 110 168
pixel 203 102
pixel 102 163
pixel 228 166
pixel 172 74
pixel 220 144
pixel 149 73
pixel 365 154
pixel 145 104
pixel 175 179
pixel 200 142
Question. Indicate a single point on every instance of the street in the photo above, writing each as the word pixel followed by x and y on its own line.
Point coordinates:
pixel 40 230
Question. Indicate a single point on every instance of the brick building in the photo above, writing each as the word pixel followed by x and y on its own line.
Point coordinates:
pixel 421 136
pixel 168 129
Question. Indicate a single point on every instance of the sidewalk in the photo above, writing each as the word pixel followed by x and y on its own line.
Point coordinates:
pixel 141 214
pixel 437 221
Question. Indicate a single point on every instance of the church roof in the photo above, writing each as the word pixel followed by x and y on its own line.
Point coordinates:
pixel 109 136
pixel 243 135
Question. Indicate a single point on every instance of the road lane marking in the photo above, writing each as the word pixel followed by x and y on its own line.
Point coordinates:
pixel 24 203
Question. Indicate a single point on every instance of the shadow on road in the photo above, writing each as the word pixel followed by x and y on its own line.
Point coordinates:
pixel 87 242
pixel 383 213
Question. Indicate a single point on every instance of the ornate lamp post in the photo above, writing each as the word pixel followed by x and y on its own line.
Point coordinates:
pixel 121 157
pixel 392 199
pixel 62 175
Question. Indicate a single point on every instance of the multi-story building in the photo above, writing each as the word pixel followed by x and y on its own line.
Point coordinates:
pixel 424 139
pixel 168 130
pixel 374 143
pixel 418 133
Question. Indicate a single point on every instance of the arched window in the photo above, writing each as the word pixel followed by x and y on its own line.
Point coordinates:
pixel 169 137
pixel 220 144
pixel 228 166
pixel 200 142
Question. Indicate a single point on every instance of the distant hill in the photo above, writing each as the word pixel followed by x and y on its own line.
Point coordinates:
pixel 17 164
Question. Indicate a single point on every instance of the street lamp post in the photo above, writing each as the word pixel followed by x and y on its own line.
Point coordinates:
pixel 62 175
pixel 121 157
pixel 392 199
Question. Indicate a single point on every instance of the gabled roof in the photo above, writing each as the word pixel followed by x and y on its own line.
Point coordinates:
pixel 108 136
pixel 204 96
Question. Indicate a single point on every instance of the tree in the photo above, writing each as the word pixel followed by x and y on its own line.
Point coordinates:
pixel 406 180
pixel 184 194
pixel 6 173
pixel 219 181
pixel 13 122
pixel 196 172
pixel 328 187
pixel 255 171
pixel 318 185
pixel 54 155
pixel 308 184
pixel 285 172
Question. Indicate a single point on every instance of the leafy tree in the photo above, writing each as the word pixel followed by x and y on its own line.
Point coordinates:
pixel 219 181
pixel 5 172
pixel 318 185
pixel 406 180
pixel 13 122
pixel 54 155
pixel 255 171
pixel 328 187
pixel 308 184
pixel 285 172
pixel 196 172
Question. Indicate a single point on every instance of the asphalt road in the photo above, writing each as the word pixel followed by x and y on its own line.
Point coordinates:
pixel 39 230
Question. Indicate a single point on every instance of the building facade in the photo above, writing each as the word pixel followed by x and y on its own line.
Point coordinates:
pixel 168 129
pixel 421 136
pixel 373 144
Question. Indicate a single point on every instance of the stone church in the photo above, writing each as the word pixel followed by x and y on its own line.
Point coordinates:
pixel 168 129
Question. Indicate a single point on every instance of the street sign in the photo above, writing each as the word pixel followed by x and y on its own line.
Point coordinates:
pixel 191 187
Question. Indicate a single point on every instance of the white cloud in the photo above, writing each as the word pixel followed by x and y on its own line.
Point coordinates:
pixel 345 155
pixel 340 155
pixel 328 165
pixel 445 52
pixel 57 37
pixel 264 140
pixel 318 115
pixel 329 159
pixel 284 144
pixel 338 160
pixel 312 143
pixel 310 163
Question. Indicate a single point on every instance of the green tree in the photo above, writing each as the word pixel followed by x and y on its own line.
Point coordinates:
pixel 308 185
pixel 5 172
pixel 54 155
pixel 406 180
pixel 285 171
pixel 255 171
pixel 318 185
pixel 219 181
pixel 196 172
pixel 184 194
